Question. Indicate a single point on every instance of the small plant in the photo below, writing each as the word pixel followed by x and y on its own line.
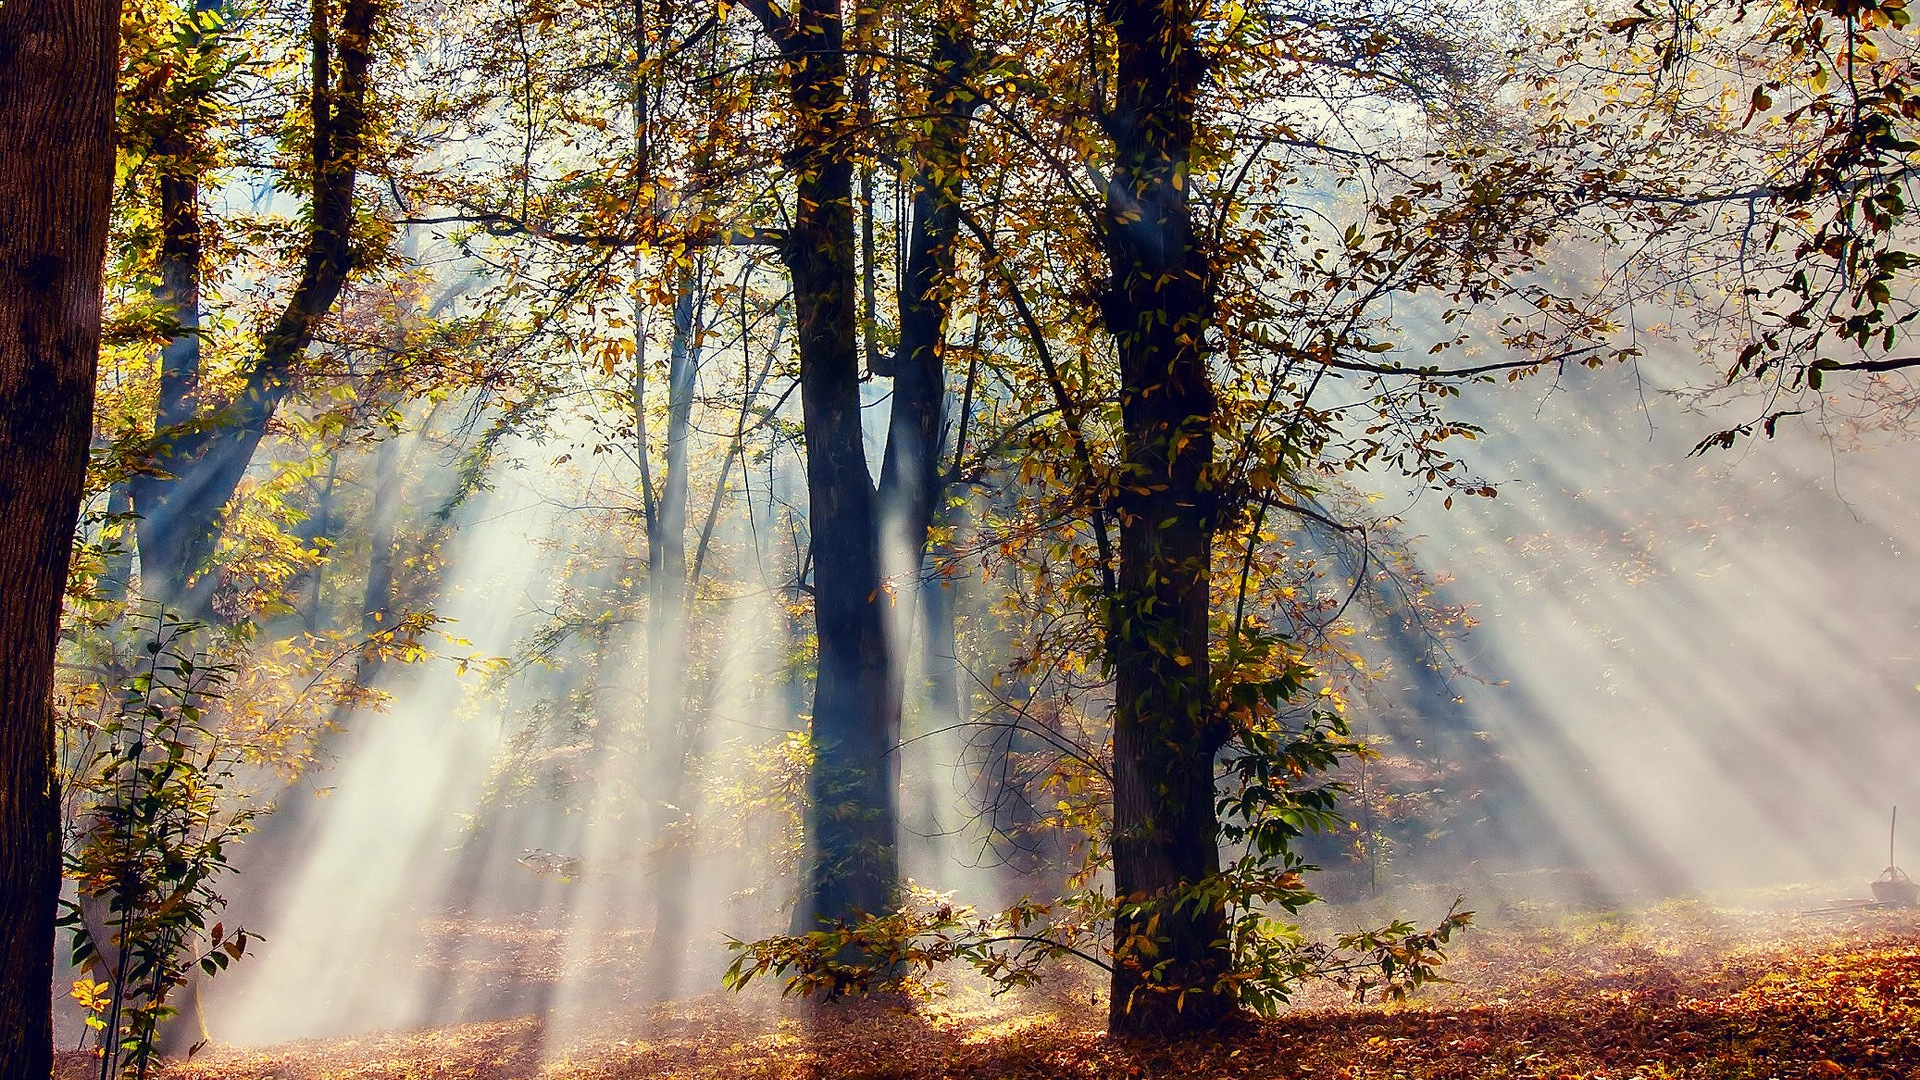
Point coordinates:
pixel 903 952
pixel 1268 802
pixel 1268 798
pixel 150 846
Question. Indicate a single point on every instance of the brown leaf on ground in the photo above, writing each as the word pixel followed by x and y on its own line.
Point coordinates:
pixel 1685 993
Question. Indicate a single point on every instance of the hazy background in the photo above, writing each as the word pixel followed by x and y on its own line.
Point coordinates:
pixel 1687 674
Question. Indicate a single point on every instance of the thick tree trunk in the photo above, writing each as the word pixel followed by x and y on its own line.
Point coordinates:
pixel 57 66
pixel 852 789
pixel 853 861
pixel 1170 950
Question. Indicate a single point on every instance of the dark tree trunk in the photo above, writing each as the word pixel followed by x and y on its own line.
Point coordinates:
pixel 57 66
pixel 853 862
pixel 201 465
pixel 1166 730
pixel 852 789
pixel 910 482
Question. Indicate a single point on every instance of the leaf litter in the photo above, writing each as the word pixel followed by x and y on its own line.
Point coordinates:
pixel 1679 991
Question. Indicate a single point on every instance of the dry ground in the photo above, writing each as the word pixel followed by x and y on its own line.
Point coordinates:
pixel 1680 991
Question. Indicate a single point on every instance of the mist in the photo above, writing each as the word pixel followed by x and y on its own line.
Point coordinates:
pixel 1698 673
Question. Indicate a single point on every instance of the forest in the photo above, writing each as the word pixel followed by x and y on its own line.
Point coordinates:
pixel 820 538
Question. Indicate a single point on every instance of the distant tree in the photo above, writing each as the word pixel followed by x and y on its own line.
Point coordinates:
pixel 202 448
pixel 57 65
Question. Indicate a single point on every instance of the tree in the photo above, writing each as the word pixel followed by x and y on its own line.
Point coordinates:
pixel 57 66
pixel 853 865
pixel 201 452
pixel 1170 110
pixel 853 798
pixel 1158 307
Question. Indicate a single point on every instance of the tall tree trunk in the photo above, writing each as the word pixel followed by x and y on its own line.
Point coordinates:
pixel 57 66
pixel 853 861
pixel 1166 730
pixel 670 733
pixel 201 466
pixel 910 482
pixel 854 864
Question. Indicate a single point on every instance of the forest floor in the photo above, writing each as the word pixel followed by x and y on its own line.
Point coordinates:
pixel 1680 990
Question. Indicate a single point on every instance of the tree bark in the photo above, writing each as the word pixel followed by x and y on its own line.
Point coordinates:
pixel 852 788
pixel 1170 948
pixel 854 858
pixel 57 67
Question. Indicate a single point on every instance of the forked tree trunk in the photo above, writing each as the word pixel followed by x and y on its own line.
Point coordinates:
pixel 1170 948
pixel 853 861
pixel 852 788
pixel 57 65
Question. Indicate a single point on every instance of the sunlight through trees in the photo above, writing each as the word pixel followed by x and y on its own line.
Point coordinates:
pixel 611 499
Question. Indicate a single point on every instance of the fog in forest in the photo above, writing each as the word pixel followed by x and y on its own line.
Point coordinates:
pixel 1282 429
pixel 1702 670
pixel 1684 674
